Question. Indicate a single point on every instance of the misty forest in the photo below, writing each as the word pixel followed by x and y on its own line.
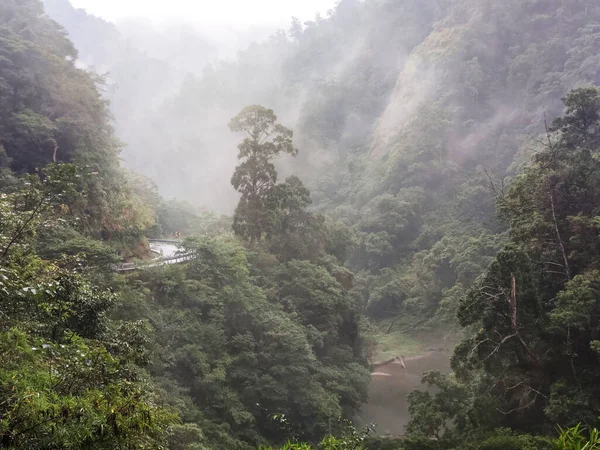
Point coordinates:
pixel 374 230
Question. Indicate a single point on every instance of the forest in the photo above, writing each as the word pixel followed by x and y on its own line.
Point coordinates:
pixel 393 180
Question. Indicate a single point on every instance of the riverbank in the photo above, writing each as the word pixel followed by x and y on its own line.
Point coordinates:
pixel 387 343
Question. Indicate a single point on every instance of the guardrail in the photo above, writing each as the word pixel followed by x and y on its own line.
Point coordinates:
pixel 186 257
pixel 125 267
pixel 130 267
pixel 167 261
pixel 166 241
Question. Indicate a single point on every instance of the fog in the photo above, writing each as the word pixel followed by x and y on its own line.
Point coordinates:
pixel 410 117
pixel 350 77
pixel 177 72
pixel 211 16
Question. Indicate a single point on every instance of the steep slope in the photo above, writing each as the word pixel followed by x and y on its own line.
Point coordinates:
pixel 472 97
pixel 52 112
pixel 70 375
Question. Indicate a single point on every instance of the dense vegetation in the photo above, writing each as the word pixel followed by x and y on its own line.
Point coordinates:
pixel 530 360
pixel 451 189
pixel 70 375
pixel 248 333
pixel 201 355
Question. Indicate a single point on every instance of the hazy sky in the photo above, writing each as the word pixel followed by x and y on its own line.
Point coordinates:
pixel 213 13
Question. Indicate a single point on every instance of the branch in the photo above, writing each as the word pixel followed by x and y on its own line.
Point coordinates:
pixel 560 241
pixel 517 408
pixel 513 301
pixel 478 344
pixel 547 131
pixel 55 151
pixel 516 385
pixel 537 140
pixel 557 273
pixel 553 263
pixel 498 346
pixel 498 193
pixel 570 354
pixel 529 352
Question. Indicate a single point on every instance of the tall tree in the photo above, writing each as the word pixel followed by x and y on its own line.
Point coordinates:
pixel 256 175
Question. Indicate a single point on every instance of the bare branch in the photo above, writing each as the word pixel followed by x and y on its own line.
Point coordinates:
pixel 499 345
pixel 560 241
pixel 55 152
pixel 513 301
pixel 497 192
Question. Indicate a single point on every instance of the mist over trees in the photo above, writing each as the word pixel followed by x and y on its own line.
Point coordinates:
pixel 403 106
pixel 418 167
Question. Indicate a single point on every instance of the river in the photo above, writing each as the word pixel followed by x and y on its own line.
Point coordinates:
pixel 390 385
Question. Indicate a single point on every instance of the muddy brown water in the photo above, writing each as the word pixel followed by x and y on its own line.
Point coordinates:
pixel 390 385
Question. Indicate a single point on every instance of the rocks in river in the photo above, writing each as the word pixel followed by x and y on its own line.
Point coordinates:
pixel 395 360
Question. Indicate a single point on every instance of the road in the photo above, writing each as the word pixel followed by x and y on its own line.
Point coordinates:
pixel 167 253
pixel 166 250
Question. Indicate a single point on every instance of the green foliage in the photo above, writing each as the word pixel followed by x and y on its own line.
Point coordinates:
pixel 277 213
pixel 575 438
pixel 56 111
pixel 294 232
pixel 72 396
pixel 385 443
pixel 181 218
pixel 238 343
pixel 432 414
pixel 53 112
pixel 39 204
pixel 411 115
pixel 70 374
pixel 61 386
pixel 350 439
pixel 508 440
